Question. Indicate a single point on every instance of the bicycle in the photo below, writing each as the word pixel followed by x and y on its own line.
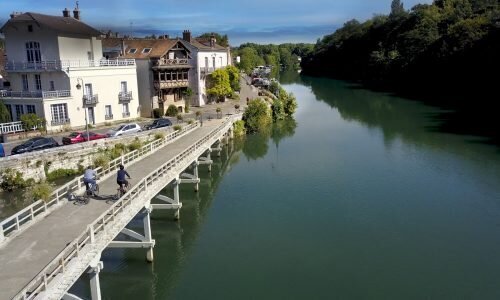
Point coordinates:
pixel 122 190
pixel 92 189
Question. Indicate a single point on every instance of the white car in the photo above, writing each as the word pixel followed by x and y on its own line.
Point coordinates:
pixel 124 129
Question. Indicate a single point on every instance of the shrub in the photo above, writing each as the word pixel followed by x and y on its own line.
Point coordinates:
pixel 60 173
pixel 278 110
pixel 177 127
pixel 239 128
pixel 180 118
pixel 12 180
pixel 171 111
pixel 257 116
pixel 39 191
pixel 157 113
pixel 136 144
pixel 159 136
pixel 190 122
pixel 101 161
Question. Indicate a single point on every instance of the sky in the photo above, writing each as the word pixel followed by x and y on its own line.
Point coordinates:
pixel 259 21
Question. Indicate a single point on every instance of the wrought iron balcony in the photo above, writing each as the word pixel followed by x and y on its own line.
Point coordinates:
pixel 58 65
pixel 60 122
pixel 206 70
pixel 168 84
pixel 35 94
pixel 172 63
pixel 108 117
pixel 126 114
pixel 90 99
pixel 125 96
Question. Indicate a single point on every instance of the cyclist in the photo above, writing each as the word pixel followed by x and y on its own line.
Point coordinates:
pixel 120 178
pixel 89 177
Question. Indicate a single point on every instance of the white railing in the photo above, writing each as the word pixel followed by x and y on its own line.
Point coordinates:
pixel 11 127
pixel 174 61
pixel 65 64
pixel 171 83
pixel 90 99
pixel 103 230
pixel 21 219
pixel 36 94
pixel 206 70
pixel 125 96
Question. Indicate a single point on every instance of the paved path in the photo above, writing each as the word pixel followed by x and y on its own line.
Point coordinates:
pixel 27 254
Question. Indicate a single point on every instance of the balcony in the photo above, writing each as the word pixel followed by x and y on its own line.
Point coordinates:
pixel 63 65
pixel 41 95
pixel 171 84
pixel 90 99
pixel 207 70
pixel 175 63
pixel 126 114
pixel 108 117
pixel 60 122
pixel 125 96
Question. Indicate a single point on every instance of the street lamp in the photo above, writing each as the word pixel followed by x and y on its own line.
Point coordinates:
pixel 79 86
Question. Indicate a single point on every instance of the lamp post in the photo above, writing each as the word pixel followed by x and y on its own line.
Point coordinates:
pixel 79 86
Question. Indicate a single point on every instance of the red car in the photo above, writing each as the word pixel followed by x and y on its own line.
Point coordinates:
pixel 79 137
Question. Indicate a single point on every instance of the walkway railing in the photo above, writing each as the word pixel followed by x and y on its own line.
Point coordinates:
pixel 64 64
pixel 78 254
pixel 11 127
pixel 28 215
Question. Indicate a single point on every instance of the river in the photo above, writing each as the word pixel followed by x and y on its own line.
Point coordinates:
pixel 362 197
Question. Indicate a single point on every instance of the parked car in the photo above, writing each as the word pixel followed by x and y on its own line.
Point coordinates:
pixel 78 137
pixel 2 151
pixel 158 123
pixel 35 144
pixel 124 129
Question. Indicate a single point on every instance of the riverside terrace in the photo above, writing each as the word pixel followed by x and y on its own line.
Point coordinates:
pixel 45 260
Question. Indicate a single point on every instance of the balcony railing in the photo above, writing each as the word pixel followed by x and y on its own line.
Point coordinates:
pixel 125 96
pixel 90 99
pixel 171 84
pixel 108 117
pixel 207 70
pixel 60 122
pixel 36 94
pixel 126 114
pixel 56 65
pixel 174 61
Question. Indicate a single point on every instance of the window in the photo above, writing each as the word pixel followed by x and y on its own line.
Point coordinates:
pixel 30 28
pixel 38 82
pixel 132 51
pixel 9 109
pixel 59 113
pixel 89 55
pixel 33 52
pixel 52 86
pixel 220 59
pixel 125 108
pixel 108 111
pixel 146 50
pixel 123 86
pixel 26 86
pixel 30 109
pixel 88 89
pixel 19 111
pixel 213 62
pixel 206 62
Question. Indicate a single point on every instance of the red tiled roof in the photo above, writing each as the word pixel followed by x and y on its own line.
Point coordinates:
pixel 159 47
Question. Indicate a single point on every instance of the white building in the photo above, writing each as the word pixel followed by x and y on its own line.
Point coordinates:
pixel 57 71
pixel 208 57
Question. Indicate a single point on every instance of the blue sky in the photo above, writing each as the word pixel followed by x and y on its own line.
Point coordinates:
pixel 260 21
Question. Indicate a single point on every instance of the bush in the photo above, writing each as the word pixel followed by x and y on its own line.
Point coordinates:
pixel 60 173
pixel 157 113
pixel 257 116
pixel 12 180
pixel 136 144
pixel 278 110
pixel 180 118
pixel 190 122
pixel 234 96
pixel 177 127
pixel 39 191
pixel 101 161
pixel 239 128
pixel 171 111
pixel 159 136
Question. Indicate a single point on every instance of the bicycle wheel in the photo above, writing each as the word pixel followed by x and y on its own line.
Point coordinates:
pixel 96 189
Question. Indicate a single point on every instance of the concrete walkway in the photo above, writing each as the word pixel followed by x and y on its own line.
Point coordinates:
pixel 27 254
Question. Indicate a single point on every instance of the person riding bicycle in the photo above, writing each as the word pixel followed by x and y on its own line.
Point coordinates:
pixel 120 177
pixel 89 177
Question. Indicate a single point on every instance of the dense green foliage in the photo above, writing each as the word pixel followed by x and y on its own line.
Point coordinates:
pixel 12 180
pixel 157 113
pixel 285 103
pixel 172 111
pixel 32 121
pixel 257 116
pixel 218 84
pixel 4 113
pixel 448 50
pixel 61 173
pixel 279 56
pixel 234 77
pixel 239 128
pixel 39 191
pixel 221 40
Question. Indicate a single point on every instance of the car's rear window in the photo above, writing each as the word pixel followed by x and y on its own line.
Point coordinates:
pixel 74 134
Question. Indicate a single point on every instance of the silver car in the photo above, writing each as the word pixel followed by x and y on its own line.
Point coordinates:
pixel 124 129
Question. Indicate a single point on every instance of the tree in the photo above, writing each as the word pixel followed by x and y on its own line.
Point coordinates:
pixel 234 77
pixel 257 116
pixel 397 9
pixel 172 111
pixel 219 85
pixel 4 113
pixel 222 40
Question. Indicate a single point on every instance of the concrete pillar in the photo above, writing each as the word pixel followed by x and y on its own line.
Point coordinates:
pixel 95 285
pixel 177 213
pixel 209 165
pixel 197 185
pixel 147 233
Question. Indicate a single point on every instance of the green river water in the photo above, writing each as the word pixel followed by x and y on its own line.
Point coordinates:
pixel 362 197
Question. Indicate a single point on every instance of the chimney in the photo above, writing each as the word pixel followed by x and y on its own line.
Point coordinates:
pixel 76 12
pixel 66 13
pixel 212 41
pixel 163 37
pixel 15 14
pixel 186 35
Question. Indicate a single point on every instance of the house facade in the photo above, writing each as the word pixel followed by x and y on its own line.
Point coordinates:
pixel 57 71
pixel 164 70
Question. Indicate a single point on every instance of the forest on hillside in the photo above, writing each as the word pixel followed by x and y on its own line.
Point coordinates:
pixel 447 51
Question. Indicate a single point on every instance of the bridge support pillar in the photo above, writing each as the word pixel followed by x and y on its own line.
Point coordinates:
pixel 146 220
pixel 95 285
pixel 177 214
pixel 191 178
pixel 206 160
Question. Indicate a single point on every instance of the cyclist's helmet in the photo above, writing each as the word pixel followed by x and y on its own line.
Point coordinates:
pixel 122 167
